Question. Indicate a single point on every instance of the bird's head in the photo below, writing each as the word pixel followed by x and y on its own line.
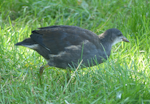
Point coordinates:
pixel 115 36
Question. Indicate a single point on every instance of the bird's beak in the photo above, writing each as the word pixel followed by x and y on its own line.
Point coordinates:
pixel 125 39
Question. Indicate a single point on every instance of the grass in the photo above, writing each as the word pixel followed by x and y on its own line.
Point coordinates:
pixel 123 79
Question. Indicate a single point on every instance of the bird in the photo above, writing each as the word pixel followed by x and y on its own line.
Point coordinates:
pixel 64 46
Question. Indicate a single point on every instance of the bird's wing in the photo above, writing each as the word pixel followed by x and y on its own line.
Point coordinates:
pixel 57 38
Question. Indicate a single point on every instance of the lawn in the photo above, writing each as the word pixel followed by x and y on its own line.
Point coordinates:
pixel 122 79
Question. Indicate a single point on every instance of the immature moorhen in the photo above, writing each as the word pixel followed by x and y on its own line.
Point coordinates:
pixel 65 46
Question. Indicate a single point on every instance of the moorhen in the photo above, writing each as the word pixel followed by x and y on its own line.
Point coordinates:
pixel 64 46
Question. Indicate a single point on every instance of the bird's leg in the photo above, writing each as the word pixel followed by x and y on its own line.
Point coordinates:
pixel 41 72
pixel 42 69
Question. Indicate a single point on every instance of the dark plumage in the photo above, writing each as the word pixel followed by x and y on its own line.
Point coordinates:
pixel 64 46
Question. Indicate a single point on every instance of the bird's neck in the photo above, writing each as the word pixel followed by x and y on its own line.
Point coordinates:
pixel 105 44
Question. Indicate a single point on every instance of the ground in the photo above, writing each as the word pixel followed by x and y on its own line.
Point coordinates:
pixel 123 78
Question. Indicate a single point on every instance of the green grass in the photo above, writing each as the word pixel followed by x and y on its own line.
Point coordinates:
pixel 123 79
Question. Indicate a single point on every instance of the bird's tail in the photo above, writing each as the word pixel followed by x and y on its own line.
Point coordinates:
pixel 28 43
